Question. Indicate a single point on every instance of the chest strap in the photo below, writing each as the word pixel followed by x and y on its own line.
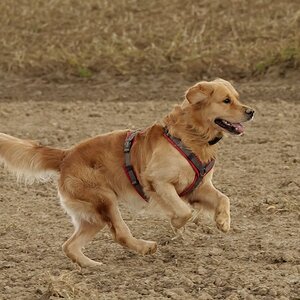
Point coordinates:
pixel 199 168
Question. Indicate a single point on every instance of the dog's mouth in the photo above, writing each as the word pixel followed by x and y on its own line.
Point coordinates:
pixel 234 128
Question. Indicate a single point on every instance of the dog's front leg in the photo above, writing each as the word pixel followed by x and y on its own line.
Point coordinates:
pixel 211 198
pixel 174 207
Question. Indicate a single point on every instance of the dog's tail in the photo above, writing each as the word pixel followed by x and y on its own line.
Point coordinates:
pixel 28 159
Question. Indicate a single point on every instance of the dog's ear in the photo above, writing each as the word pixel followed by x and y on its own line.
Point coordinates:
pixel 199 92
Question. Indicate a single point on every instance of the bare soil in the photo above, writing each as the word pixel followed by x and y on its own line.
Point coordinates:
pixel 258 259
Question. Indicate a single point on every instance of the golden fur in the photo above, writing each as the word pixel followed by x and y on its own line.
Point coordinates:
pixel 91 179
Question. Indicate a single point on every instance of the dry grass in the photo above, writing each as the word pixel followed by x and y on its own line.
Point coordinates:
pixel 234 38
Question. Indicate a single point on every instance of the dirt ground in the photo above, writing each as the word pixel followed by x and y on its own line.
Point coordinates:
pixel 258 259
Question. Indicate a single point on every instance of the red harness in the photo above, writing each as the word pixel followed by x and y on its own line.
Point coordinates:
pixel 199 168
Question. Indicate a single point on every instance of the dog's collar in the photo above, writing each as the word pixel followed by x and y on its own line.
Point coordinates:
pixel 215 140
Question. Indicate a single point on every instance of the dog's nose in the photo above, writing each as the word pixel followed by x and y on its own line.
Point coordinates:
pixel 249 112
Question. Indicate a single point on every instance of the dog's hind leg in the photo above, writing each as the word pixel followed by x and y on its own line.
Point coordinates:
pixel 84 232
pixel 121 233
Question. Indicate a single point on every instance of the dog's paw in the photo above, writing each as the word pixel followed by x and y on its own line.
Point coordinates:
pixel 179 221
pixel 223 221
pixel 90 264
pixel 147 247
pixel 95 265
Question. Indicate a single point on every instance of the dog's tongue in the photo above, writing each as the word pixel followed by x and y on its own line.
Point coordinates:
pixel 238 127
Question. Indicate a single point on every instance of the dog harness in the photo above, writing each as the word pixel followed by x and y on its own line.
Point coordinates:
pixel 200 168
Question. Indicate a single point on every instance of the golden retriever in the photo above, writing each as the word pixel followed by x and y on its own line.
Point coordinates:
pixel 92 181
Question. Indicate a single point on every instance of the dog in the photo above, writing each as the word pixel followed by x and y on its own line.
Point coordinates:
pixel 92 178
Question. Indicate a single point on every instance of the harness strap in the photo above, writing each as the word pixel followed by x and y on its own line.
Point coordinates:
pixel 128 168
pixel 199 168
pixel 215 140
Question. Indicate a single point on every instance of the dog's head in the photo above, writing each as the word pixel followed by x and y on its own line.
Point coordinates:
pixel 215 106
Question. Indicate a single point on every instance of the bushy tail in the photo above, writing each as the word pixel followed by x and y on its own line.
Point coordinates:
pixel 28 159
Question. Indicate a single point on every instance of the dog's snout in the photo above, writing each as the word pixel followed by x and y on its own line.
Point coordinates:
pixel 249 112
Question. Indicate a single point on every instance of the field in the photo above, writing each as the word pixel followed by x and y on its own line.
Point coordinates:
pixel 72 69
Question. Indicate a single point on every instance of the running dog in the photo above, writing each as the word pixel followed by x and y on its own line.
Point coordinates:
pixel 169 164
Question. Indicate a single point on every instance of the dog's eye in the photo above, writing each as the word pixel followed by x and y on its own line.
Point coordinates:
pixel 227 101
